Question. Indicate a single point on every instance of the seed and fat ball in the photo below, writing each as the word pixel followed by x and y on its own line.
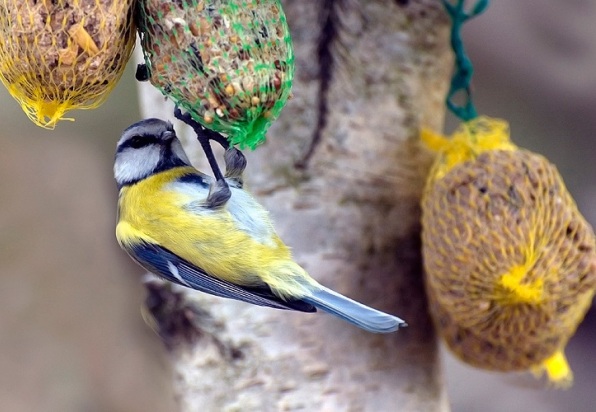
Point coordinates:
pixel 228 63
pixel 60 55
pixel 510 262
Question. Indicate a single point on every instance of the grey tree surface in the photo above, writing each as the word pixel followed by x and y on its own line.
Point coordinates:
pixel 342 173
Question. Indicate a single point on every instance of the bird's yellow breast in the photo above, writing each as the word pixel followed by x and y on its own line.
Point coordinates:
pixel 154 210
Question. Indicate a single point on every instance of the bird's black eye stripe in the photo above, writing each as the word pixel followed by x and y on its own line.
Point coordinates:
pixel 138 141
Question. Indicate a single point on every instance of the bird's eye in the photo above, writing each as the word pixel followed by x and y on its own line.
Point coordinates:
pixel 136 142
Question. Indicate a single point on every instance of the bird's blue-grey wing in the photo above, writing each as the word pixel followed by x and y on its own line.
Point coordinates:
pixel 166 264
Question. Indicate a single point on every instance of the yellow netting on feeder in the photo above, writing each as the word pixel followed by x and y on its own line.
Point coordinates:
pixel 510 261
pixel 58 55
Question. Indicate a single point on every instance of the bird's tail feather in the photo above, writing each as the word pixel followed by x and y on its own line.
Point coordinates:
pixel 360 315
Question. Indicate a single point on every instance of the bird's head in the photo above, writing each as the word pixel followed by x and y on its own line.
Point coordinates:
pixel 145 148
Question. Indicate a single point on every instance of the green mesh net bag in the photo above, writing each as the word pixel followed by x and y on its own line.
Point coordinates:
pixel 229 63
pixel 510 262
pixel 58 55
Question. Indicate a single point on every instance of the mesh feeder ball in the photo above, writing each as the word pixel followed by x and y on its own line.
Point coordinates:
pixel 230 64
pixel 510 262
pixel 60 55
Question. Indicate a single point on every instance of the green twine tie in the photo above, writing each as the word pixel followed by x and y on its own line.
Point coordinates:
pixel 463 65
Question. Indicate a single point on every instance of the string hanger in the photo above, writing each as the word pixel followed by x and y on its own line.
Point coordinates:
pixel 462 76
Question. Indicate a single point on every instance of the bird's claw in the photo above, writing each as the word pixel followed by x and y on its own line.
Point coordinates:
pixel 235 164
pixel 219 194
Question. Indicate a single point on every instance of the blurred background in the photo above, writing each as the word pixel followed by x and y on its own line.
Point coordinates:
pixel 72 336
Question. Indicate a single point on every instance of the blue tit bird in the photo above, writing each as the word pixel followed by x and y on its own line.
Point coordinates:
pixel 212 235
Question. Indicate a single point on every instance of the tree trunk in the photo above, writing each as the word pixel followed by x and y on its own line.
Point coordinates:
pixel 342 174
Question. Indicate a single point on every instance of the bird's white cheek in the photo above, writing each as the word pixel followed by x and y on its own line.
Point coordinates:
pixel 136 165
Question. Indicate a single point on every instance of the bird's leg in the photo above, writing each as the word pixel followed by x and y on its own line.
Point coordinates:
pixel 200 130
pixel 234 159
pixel 219 192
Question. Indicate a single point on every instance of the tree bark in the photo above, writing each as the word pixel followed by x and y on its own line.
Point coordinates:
pixel 342 173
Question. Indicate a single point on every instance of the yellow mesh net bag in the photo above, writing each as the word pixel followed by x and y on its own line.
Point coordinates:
pixel 58 55
pixel 510 261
